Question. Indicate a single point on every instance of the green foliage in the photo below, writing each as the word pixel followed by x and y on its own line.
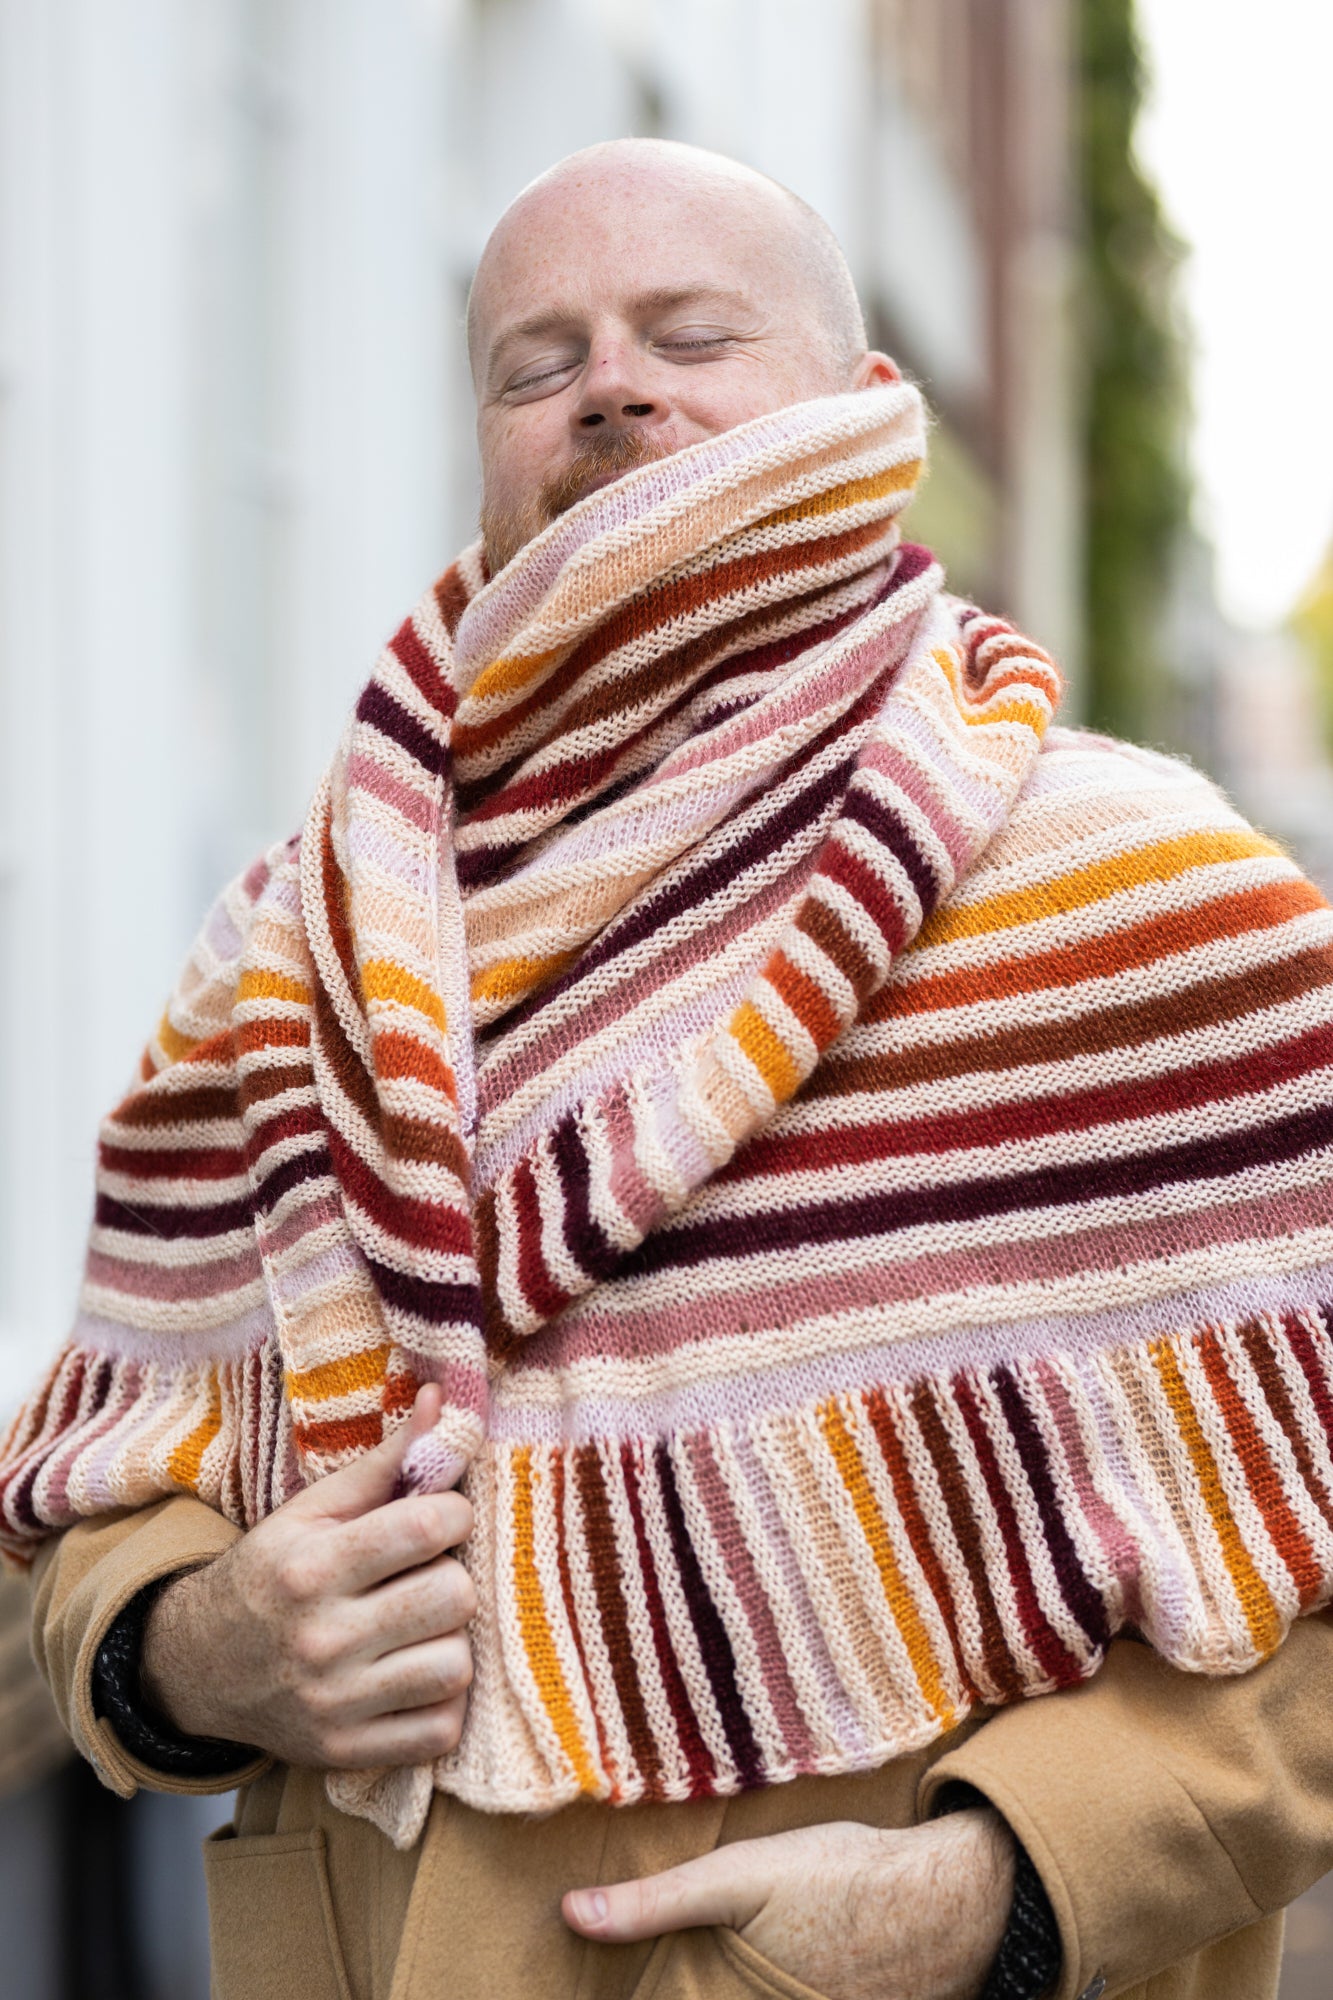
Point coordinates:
pixel 1313 625
pixel 1137 489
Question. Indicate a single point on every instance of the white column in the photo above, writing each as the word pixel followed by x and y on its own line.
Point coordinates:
pixel 93 628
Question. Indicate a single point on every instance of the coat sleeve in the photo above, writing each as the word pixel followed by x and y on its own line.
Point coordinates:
pixel 1163 1810
pixel 81 1581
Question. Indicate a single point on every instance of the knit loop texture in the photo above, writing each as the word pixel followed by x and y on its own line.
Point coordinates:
pixel 856 1157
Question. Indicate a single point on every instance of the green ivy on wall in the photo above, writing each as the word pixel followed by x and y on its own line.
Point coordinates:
pixel 1136 383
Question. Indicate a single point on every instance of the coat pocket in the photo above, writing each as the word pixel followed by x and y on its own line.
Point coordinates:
pixel 270 1918
pixel 715 1964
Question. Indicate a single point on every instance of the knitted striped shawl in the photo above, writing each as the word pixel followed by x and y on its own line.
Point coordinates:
pixel 860 1162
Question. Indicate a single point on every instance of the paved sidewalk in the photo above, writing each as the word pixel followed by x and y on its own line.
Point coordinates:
pixel 1307 1971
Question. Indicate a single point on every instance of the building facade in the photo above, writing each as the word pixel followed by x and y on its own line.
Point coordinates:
pixel 235 423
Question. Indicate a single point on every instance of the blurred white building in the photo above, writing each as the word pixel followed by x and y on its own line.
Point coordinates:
pixel 235 423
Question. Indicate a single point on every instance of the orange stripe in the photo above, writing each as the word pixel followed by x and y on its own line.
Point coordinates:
pixel 260 985
pixel 1098 958
pixel 807 1000
pixel 1261 1475
pixel 536 1630
pixel 513 976
pixel 875 486
pixel 1254 1595
pixel 185 1461
pixel 769 1054
pixel 173 1043
pixel 381 979
pixel 1161 861
pixel 508 676
pixel 341 1377
pixel 905 1614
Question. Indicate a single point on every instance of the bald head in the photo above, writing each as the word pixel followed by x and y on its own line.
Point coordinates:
pixel 634 175
pixel 638 297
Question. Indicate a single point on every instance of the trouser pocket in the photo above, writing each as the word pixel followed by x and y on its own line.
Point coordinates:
pixel 270 1918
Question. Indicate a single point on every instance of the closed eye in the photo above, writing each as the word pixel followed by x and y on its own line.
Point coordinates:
pixel 695 343
pixel 543 375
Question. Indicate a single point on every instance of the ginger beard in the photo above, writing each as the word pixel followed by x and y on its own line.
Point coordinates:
pixel 606 456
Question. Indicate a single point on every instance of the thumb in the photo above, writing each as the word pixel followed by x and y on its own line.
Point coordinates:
pixel 373 1478
pixel 729 1886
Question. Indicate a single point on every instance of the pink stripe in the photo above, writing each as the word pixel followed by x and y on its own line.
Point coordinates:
pixel 1117 1540
pixel 173 1282
pixel 876 1279
pixel 493 618
pixel 366 774
pixel 730 1538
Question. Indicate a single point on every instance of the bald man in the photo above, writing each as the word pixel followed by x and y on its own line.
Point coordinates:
pixel 639 298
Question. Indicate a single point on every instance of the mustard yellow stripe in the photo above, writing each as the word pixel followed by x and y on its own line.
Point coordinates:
pixel 339 1378
pixel 513 976
pixel 875 486
pixel 508 676
pixel 874 1528
pixel 536 1630
pixel 175 1045
pixel 767 1051
pixel 1016 710
pixel 1026 712
pixel 185 1461
pixel 1158 862
pixel 256 985
pixel 1255 1597
pixel 381 979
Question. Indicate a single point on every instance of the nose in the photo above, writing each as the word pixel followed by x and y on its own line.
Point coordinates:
pixel 616 390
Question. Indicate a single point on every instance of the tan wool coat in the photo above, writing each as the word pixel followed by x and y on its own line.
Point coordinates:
pixel 1171 1818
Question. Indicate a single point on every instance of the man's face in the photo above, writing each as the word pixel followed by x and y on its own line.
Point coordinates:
pixel 625 310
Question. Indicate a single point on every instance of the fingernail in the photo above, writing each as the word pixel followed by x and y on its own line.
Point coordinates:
pixel 591 1906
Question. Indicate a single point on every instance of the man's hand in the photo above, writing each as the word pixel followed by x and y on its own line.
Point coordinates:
pixel 854 1912
pixel 331 1634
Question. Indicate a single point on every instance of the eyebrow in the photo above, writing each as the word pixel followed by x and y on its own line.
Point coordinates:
pixel 660 298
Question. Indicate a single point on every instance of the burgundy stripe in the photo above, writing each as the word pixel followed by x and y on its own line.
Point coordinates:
pixel 425 1225
pixel 378 707
pixel 421 670
pixel 539 1288
pixel 437 1301
pixel 585 1239
pixel 604 1559
pixel 1199 1085
pixel 1079 1593
pixel 698 1760
pixel 691 890
pixel 173 1224
pixel 714 1645
pixel 888 827
pixel 1053 1656
pixel 883 1213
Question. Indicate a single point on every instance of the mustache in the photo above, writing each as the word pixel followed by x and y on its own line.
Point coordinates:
pixel 607 455
pixel 603 456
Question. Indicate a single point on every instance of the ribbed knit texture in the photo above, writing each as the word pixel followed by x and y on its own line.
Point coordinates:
pixel 860 1163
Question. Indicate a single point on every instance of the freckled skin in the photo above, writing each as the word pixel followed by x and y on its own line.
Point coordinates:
pixel 679 295
pixel 638 298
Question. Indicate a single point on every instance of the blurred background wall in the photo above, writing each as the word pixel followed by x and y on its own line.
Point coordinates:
pixel 236 442
pixel 236 429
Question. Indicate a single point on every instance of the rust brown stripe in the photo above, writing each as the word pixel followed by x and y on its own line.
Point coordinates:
pixel 600 1536
pixel 1206 1005
pixel 1004 1673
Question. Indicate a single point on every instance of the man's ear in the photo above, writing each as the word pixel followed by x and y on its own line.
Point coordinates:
pixel 873 370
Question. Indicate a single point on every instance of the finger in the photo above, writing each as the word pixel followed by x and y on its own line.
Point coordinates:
pixel 370 1480
pixel 729 1886
pixel 399 1536
pixel 416 1736
pixel 424 1676
pixel 424 1603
